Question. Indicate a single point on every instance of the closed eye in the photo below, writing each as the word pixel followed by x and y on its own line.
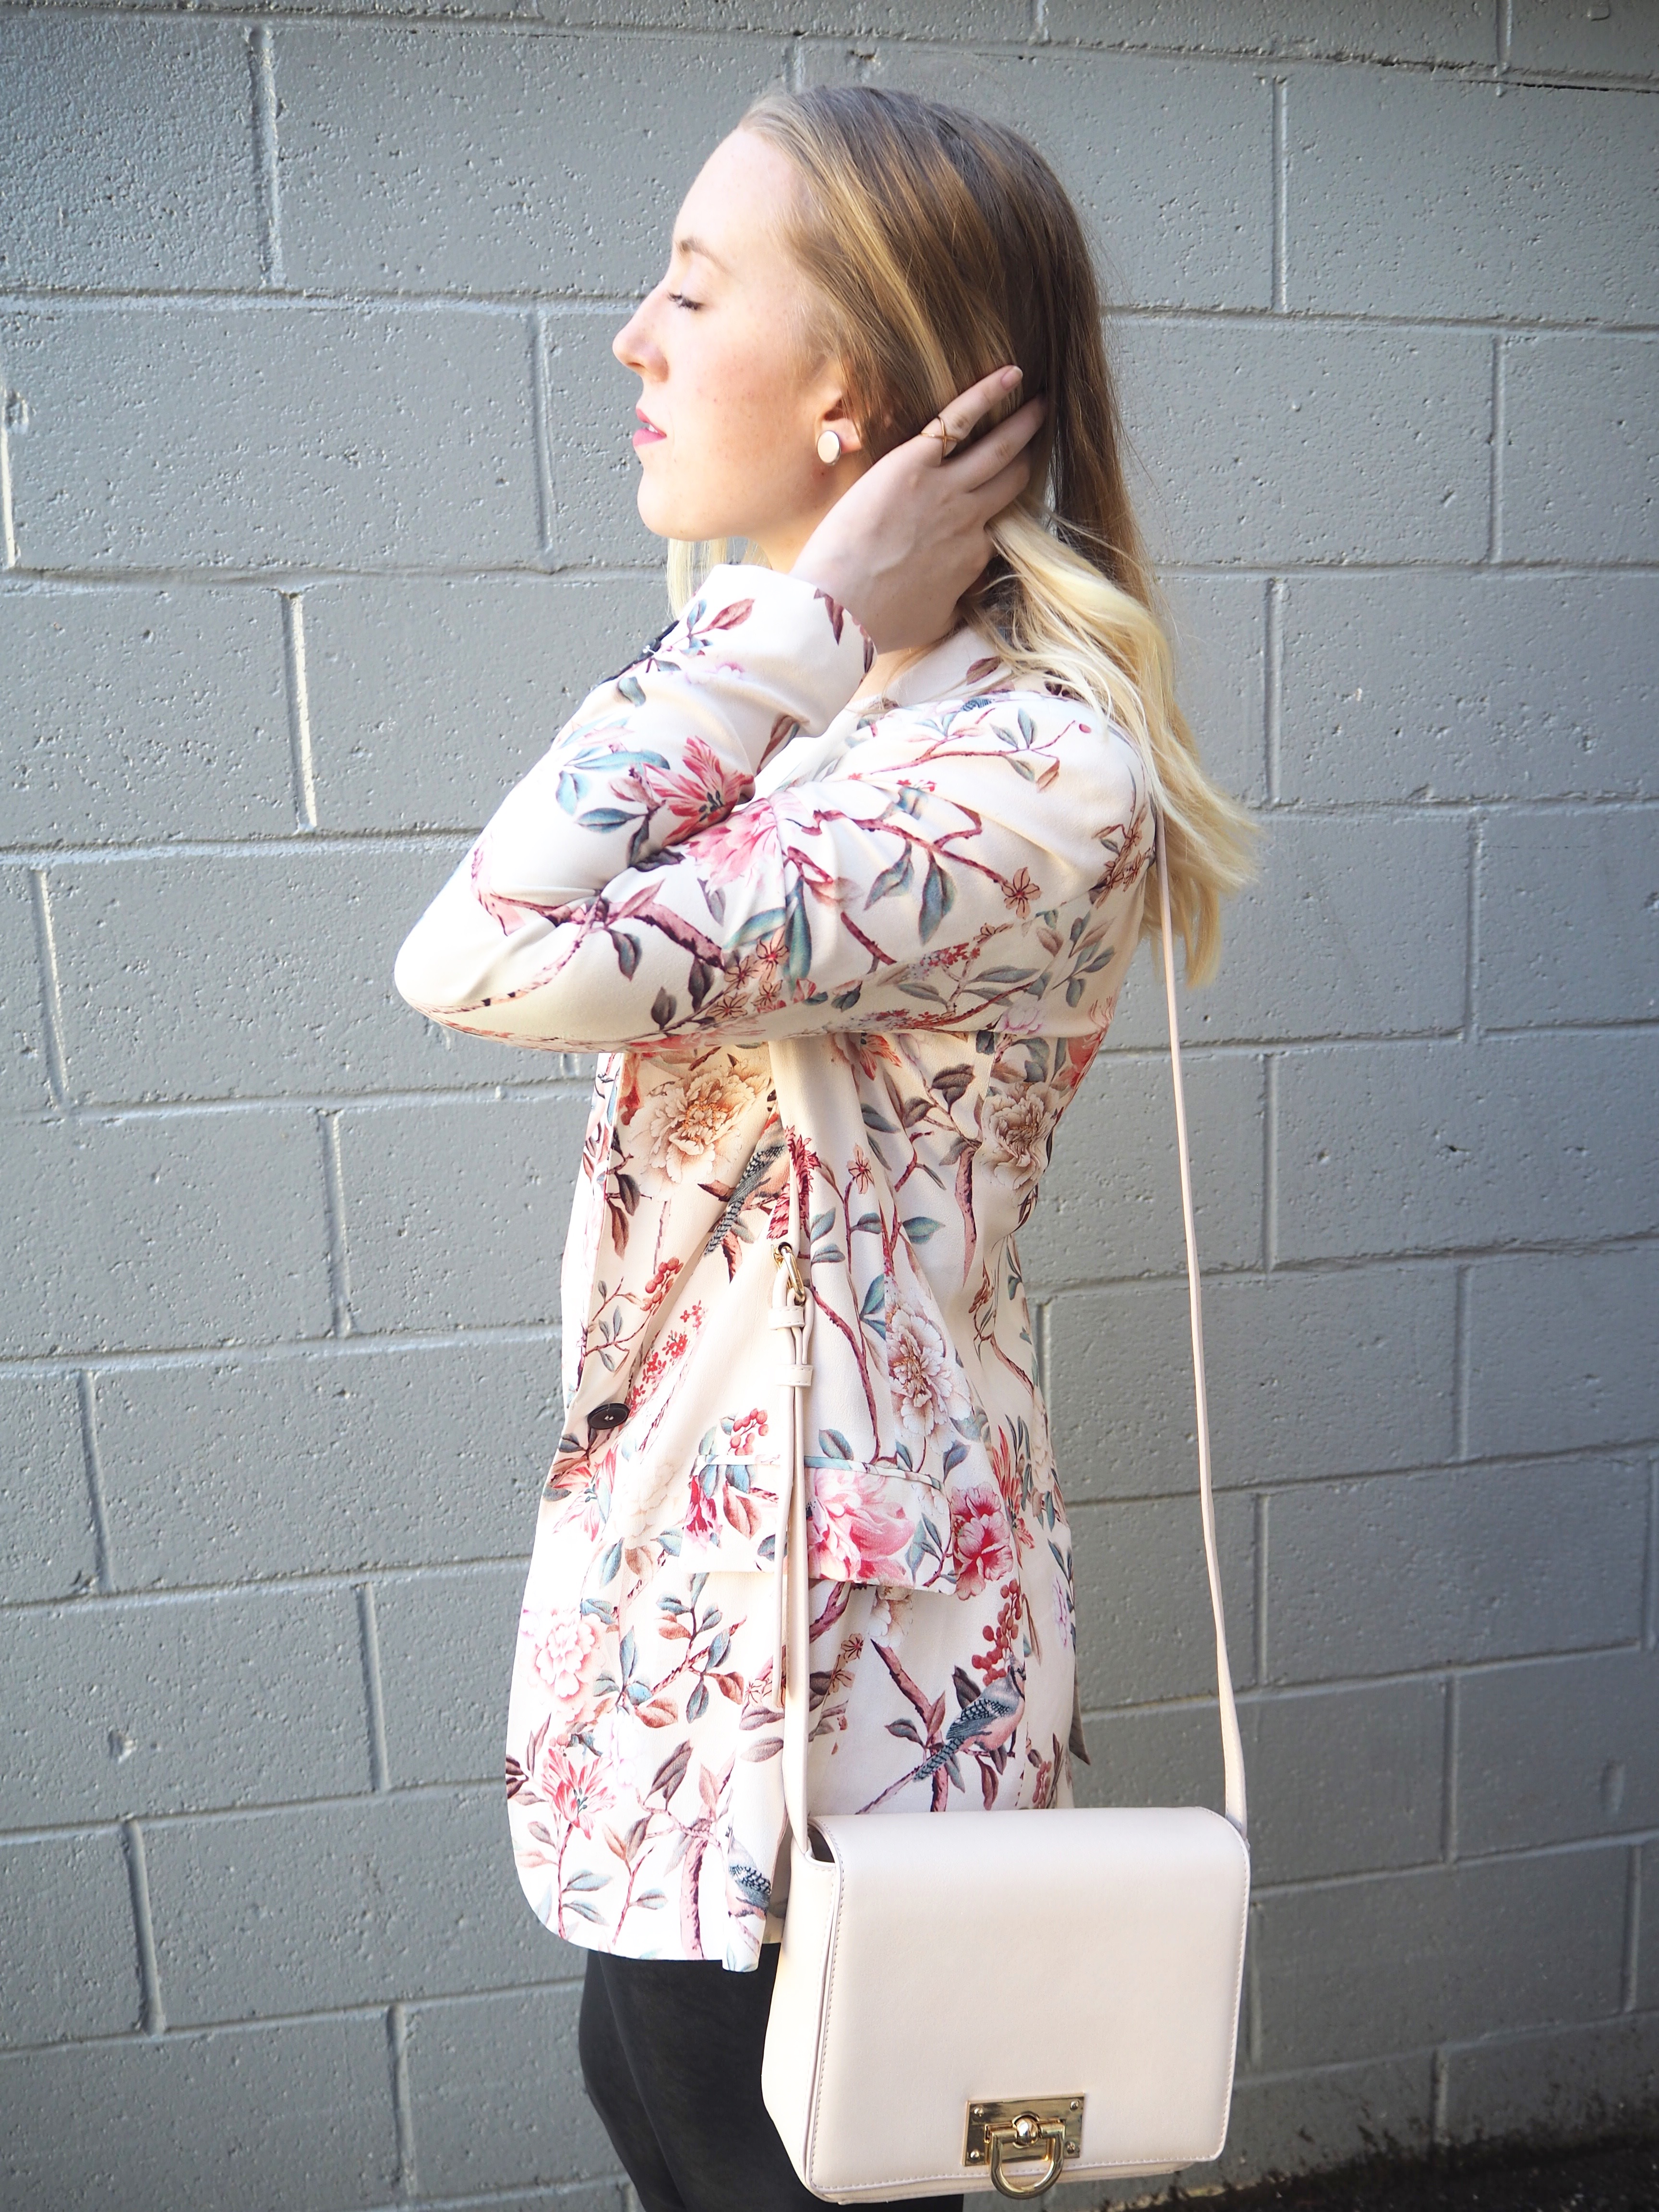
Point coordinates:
pixel 681 300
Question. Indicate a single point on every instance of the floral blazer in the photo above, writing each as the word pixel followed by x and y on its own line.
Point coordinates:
pixel 869 946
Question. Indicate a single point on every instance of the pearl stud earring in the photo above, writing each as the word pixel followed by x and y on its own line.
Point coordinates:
pixel 829 449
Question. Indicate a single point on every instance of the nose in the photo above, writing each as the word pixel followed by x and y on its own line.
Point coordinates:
pixel 632 345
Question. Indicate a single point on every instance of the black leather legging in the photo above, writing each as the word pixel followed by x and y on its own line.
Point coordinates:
pixel 671 2052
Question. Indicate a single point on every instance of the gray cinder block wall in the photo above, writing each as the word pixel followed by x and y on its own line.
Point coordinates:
pixel 314 513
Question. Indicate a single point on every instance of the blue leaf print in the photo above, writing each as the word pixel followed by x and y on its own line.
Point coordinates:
pixel 938 896
pixel 895 878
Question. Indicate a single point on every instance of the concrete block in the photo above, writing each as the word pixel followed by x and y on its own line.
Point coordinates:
pixel 261 974
pixel 1364 1969
pixel 1111 1202
pixel 1568 903
pixel 365 1456
pixel 1506 685
pixel 47 1545
pixel 1595 2082
pixel 1432 1147
pixel 1568 35
pixel 130 142
pixel 181 1705
pixel 68 1957
pixel 1564 1352
pixel 1310 1375
pixel 1380 30
pixel 157 1231
pixel 25 1086
pixel 1263 442
pixel 1442 196
pixel 1143 1604
pixel 1581 450
pixel 448 158
pixel 310 1909
pixel 271 436
pixel 132 715
pixel 1164 159
pixel 1340 1781
pixel 1478 1564
pixel 447 1639
pixel 496 2091
pixel 456 1213
pixel 431 696
pixel 1219 635
pixel 1309 2122
pixel 203 2122
pixel 1377 913
pixel 1557 1750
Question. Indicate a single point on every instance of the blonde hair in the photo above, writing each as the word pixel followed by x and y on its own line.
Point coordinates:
pixel 940 246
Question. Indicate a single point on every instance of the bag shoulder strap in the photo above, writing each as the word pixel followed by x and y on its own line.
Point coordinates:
pixel 1232 1748
pixel 792 1309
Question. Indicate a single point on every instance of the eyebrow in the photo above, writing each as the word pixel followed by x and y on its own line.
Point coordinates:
pixel 695 246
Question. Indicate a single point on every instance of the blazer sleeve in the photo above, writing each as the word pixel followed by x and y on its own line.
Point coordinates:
pixel 632 887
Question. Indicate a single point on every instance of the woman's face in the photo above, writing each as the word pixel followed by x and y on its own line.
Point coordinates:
pixel 731 413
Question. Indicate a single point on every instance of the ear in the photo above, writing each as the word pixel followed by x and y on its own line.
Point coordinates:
pixel 838 418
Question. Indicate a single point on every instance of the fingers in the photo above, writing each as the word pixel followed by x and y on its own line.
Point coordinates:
pixel 958 418
pixel 991 453
pixel 1004 488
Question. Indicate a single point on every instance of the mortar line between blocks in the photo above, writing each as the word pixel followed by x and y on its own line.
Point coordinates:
pixel 1631 1965
pixel 340 1264
pixel 1040 22
pixel 298 676
pixel 1269 1162
pixel 541 434
pixel 402 2107
pixel 368 1627
pixel 152 2019
pixel 1461 1369
pixel 794 62
pixel 263 81
pixel 1439 2084
pixel 103 1573
pixel 1259 1592
pixel 8 403
pixel 1495 463
pixel 1273 673
pixel 51 996
pixel 1504 28
pixel 1281 195
pixel 1470 1024
pixel 1650 1589
pixel 1448 1773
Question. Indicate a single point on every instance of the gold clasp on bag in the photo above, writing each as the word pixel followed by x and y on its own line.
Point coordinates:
pixel 1048 2128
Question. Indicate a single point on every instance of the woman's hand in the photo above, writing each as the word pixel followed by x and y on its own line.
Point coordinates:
pixel 903 546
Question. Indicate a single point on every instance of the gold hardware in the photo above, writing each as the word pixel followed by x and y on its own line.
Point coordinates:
pixel 785 1257
pixel 1020 2128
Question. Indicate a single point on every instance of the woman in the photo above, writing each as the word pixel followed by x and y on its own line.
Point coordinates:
pixel 840 877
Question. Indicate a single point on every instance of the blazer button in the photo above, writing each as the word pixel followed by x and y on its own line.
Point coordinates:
pixel 610 1416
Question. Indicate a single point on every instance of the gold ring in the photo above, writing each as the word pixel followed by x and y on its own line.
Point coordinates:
pixel 947 444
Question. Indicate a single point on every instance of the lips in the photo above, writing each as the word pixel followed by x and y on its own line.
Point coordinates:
pixel 647 434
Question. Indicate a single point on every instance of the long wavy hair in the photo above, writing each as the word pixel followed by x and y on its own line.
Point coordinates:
pixel 939 245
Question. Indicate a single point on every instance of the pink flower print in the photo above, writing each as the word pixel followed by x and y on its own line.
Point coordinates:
pixel 1019 890
pixel 979 1539
pixel 562 1647
pixel 1014 1125
pixel 681 1125
pixel 574 1783
pixel 860 1169
pixel 747 1432
pixel 749 842
pixel 920 1368
pixel 701 792
pixel 854 1538
pixel 703 1521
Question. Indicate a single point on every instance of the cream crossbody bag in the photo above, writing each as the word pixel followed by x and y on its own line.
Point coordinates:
pixel 984 2002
